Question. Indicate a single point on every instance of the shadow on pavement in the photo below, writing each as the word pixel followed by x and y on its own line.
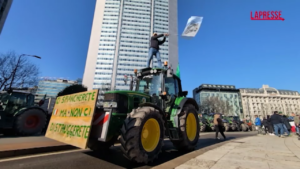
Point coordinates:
pixel 116 157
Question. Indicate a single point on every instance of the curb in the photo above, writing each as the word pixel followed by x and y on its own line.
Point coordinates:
pixel 172 164
pixel 36 150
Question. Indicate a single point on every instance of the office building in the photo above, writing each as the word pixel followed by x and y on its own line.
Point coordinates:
pixel 265 100
pixel 51 87
pixel 4 9
pixel 226 93
pixel 120 36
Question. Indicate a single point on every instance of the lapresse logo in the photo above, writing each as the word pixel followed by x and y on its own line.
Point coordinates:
pixel 266 15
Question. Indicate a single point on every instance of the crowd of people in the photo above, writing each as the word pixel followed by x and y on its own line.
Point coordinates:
pixel 277 124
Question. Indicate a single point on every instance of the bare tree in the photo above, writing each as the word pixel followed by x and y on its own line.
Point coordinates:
pixel 215 104
pixel 19 69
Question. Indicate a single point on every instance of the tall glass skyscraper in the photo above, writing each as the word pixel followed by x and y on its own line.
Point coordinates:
pixel 120 36
pixel 4 9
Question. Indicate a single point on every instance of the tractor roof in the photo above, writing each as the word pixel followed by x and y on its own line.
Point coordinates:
pixel 149 68
pixel 21 91
pixel 16 91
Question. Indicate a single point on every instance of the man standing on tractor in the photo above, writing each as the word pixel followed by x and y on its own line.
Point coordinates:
pixel 154 48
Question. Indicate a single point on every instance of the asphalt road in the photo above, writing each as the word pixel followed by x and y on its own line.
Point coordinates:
pixel 111 160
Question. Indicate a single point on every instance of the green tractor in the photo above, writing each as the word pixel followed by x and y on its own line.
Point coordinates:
pixel 226 123
pixel 203 123
pixel 206 123
pixel 210 121
pixel 19 115
pixel 234 123
pixel 229 123
pixel 143 117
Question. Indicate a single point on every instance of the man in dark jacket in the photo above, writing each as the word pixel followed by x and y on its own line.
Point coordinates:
pixel 276 120
pixel 270 126
pixel 286 124
pixel 154 48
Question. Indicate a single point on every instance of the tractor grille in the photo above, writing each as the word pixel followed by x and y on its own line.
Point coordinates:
pixel 122 101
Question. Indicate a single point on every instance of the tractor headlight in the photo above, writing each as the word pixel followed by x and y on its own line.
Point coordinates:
pixel 110 104
pixel 151 71
pixel 155 71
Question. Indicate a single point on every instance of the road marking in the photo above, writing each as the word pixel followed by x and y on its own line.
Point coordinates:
pixel 41 155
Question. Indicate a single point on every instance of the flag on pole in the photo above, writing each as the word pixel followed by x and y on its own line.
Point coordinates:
pixel 178 72
pixel 192 26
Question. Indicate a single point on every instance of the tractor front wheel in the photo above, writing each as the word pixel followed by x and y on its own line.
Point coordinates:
pixel 189 128
pixel 30 122
pixel 203 128
pixel 142 135
pixel 227 127
pixel 244 127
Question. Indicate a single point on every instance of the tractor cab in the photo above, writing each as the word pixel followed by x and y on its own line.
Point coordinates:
pixel 12 101
pixel 160 84
pixel 19 115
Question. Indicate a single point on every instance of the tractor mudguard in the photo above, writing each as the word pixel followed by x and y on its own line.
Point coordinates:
pixel 154 106
pixel 26 108
pixel 178 106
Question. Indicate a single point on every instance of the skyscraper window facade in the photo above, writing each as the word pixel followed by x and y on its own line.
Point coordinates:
pixel 121 32
pixel 4 9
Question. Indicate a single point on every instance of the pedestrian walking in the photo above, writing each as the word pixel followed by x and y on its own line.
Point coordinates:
pixel 219 126
pixel 277 122
pixel 154 48
pixel 297 123
pixel 257 123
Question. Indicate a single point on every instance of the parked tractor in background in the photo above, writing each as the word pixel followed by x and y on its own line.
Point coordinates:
pixel 19 115
pixel 232 125
pixel 226 123
pixel 210 121
pixel 206 123
pixel 154 107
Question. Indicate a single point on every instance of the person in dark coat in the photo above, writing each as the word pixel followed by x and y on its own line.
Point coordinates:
pixel 270 125
pixel 277 122
pixel 265 124
pixel 219 125
pixel 286 124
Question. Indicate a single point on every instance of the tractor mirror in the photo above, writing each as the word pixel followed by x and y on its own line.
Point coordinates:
pixel 163 95
pixel 184 93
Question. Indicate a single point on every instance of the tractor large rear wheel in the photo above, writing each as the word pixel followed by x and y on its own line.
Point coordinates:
pixel 142 135
pixel 189 128
pixel 203 127
pixel 30 122
pixel 244 127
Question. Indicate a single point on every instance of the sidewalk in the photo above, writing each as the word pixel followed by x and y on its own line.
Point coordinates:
pixel 262 151
pixel 10 147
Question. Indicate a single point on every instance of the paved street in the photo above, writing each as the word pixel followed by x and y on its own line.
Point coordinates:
pixel 266 152
pixel 111 160
pixel 12 143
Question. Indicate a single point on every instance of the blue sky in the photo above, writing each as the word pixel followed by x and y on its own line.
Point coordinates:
pixel 228 49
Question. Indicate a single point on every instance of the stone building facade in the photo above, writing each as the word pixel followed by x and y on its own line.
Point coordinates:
pixel 266 100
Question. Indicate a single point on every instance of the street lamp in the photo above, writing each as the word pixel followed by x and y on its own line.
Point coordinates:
pixel 17 65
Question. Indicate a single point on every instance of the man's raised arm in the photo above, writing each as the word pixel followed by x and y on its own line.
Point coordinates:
pixel 158 36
